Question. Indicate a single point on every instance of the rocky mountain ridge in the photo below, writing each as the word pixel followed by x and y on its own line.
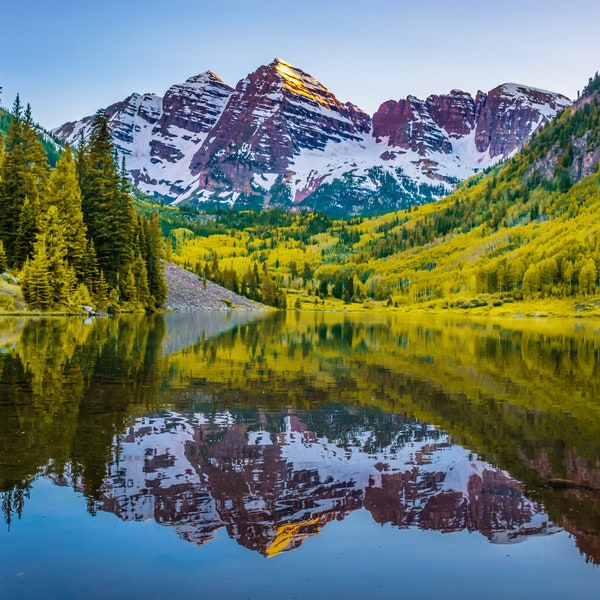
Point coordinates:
pixel 281 138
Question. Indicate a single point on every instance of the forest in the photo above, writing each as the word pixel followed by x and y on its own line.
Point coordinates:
pixel 70 235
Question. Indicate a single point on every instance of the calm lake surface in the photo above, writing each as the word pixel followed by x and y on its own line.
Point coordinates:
pixel 299 455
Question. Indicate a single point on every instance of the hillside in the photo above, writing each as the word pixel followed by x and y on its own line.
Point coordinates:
pixel 51 144
pixel 526 229
pixel 187 291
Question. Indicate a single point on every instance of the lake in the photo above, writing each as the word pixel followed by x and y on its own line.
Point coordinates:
pixel 299 455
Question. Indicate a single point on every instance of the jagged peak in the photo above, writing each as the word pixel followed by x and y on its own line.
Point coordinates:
pixel 461 93
pixel 516 89
pixel 206 77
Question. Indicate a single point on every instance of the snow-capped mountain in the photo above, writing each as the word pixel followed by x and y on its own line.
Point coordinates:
pixel 280 138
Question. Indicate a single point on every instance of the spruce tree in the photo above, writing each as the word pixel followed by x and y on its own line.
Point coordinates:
pixel 47 279
pixel 154 251
pixel 64 193
pixel 28 223
pixel 11 176
pixel 3 259
pixel 140 274
pixel 23 174
pixel 35 280
pixel 107 205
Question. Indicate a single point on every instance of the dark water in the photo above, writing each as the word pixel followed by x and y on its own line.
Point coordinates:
pixel 299 455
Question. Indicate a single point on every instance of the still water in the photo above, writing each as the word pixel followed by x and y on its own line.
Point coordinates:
pixel 299 455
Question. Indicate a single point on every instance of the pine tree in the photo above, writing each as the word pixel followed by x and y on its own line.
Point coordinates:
pixel 3 259
pixel 11 175
pixel 47 279
pixel 91 271
pixel 107 205
pixel 35 281
pixel 2 152
pixel 28 224
pixel 100 293
pixel 140 274
pixel 64 193
pixel 23 175
pixel 154 260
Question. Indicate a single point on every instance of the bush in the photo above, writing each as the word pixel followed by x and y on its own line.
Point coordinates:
pixel 7 303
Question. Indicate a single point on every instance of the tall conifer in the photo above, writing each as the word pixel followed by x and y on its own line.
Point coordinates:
pixel 47 279
pixel 107 207
pixel 24 173
pixel 64 193
pixel 153 255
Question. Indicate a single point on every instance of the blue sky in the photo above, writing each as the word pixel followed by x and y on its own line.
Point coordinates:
pixel 70 57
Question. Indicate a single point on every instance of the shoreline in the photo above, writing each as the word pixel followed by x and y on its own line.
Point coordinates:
pixel 187 292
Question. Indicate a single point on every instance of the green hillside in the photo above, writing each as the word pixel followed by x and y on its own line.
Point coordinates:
pixel 52 146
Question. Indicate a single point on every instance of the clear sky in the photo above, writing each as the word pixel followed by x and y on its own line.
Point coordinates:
pixel 70 57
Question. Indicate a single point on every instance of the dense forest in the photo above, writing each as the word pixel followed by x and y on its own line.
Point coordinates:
pixel 70 232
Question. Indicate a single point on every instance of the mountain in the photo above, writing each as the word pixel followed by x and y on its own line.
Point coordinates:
pixel 526 229
pixel 159 136
pixel 281 138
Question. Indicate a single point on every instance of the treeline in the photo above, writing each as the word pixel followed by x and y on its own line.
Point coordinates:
pixel 71 233
pixel 256 284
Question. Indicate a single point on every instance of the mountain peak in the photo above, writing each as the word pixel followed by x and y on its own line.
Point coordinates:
pixel 281 138
pixel 204 78
pixel 298 82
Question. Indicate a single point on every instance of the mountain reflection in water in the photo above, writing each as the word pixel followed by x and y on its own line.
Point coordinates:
pixel 272 427
pixel 274 479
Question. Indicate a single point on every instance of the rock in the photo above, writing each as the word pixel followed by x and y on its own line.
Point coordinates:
pixel 186 291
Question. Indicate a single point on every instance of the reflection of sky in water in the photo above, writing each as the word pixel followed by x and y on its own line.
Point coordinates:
pixel 87 557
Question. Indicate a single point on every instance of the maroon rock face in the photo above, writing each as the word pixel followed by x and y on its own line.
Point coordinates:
pixel 453 112
pixel 407 124
pixel 509 114
pixel 274 113
pixel 503 119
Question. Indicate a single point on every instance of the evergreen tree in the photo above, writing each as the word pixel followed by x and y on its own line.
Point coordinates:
pixel 64 193
pixel 47 279
pixel 154 260
pixel 28 224
pixel 35 281
pixel 100 293
pixel 3 259
pixel 91 272
pixel 23 175
pixel 107 205
pixel 140 275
